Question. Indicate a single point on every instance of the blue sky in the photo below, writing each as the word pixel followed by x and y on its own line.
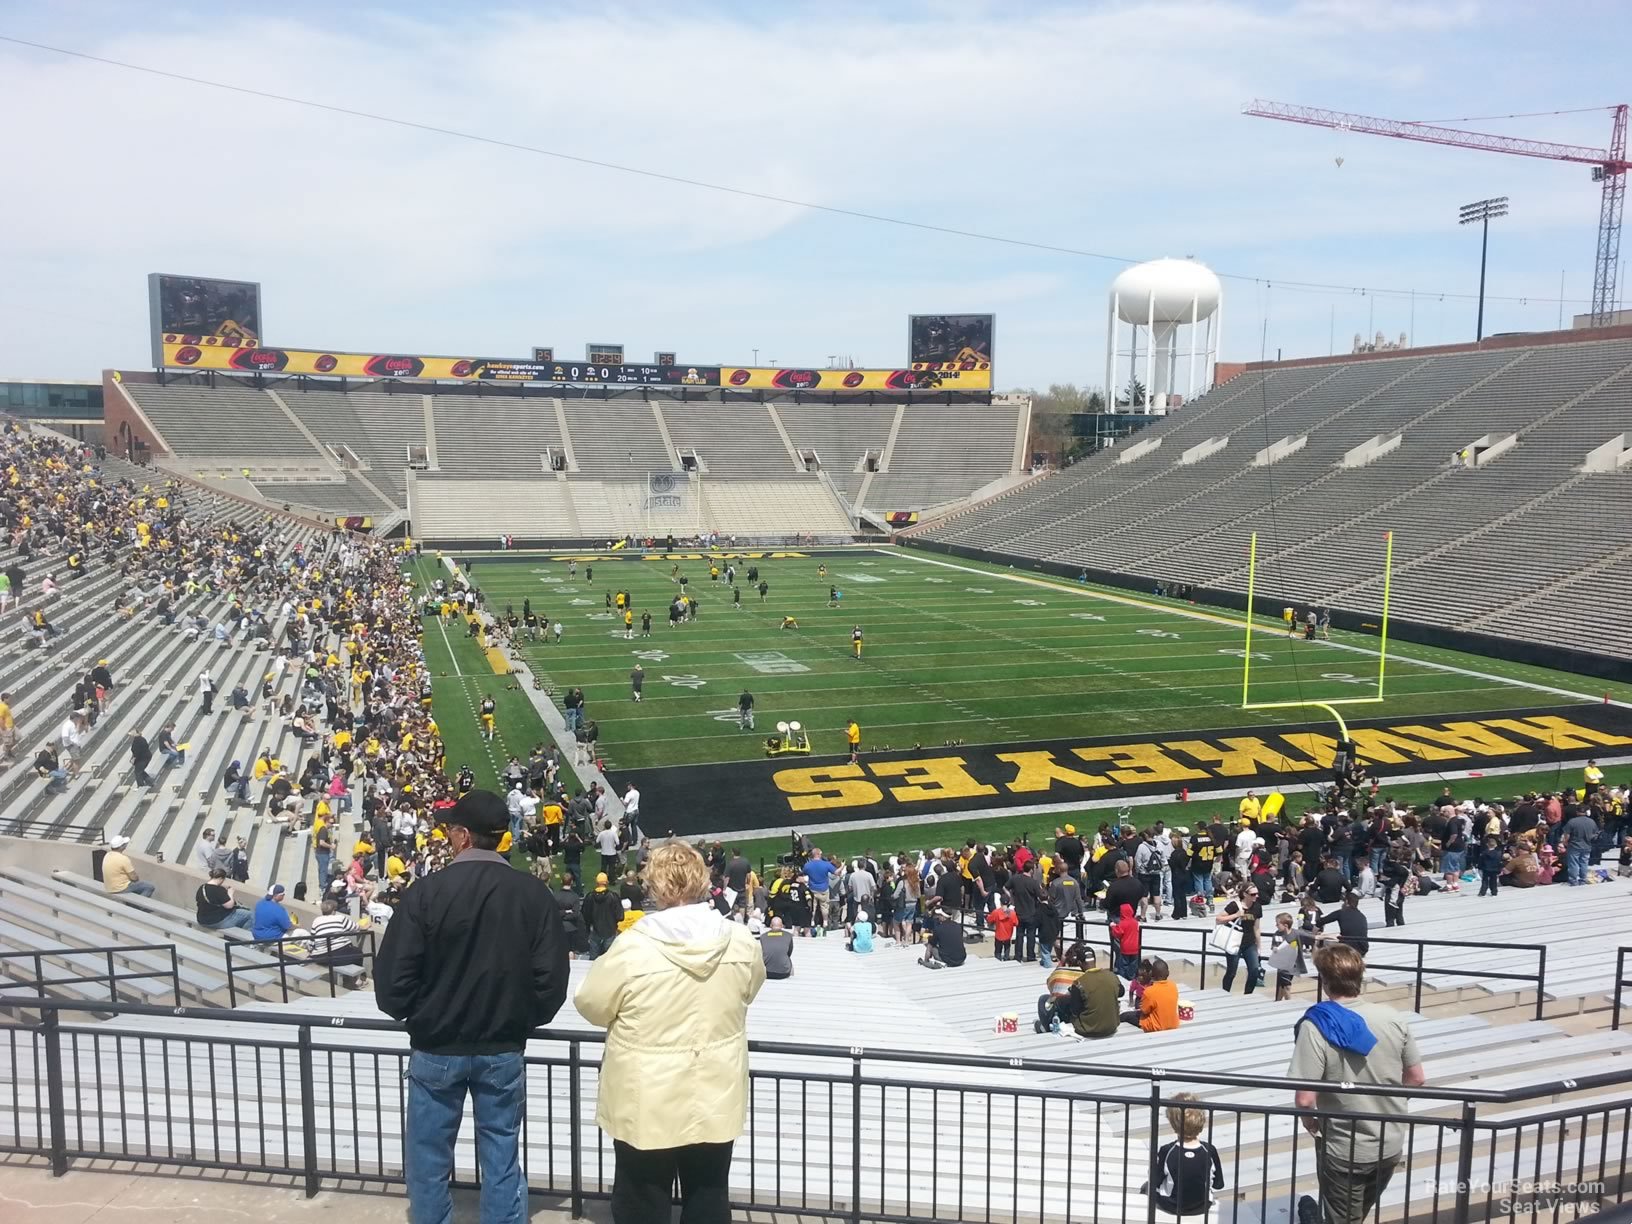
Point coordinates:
pixel 1110 128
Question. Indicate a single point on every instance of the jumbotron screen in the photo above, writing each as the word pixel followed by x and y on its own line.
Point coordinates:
pixel 950 342
pixel 204 310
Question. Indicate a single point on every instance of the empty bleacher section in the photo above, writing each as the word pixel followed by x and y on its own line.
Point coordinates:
pixel 377 428
pixel 482 436
pixel 944 453
pixel 458 508
pixel 800 505
pixel 1475 535
pixel 226 420
pixel 729 439
pixel 840 435
pixel 545 508
pixel 619 438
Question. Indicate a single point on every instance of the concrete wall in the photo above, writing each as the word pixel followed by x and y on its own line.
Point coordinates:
pixel 172 882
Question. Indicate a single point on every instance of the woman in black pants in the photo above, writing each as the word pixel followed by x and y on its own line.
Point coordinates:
pixel 1248 911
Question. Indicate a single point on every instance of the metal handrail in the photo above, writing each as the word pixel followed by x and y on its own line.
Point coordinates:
pixel 19 826
pixel 62 1135
pixel 885 1055
pixel 112 977
pixel 1621 984
pixel 1420 969
pixel 361 941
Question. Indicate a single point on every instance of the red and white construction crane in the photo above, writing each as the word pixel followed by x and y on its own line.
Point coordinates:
pixel 1609 167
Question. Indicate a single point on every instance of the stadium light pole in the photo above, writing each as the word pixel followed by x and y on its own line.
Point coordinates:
pixel 1482 213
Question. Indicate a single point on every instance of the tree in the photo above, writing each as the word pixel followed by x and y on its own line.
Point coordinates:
pixel 1062 420
pixel 1134 396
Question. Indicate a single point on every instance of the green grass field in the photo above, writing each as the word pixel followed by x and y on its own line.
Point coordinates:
pixel 953 651
pixel 949 653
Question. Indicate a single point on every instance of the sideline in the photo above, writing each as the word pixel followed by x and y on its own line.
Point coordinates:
pixel 1086 805
pixel 1129 601
pixel 551 717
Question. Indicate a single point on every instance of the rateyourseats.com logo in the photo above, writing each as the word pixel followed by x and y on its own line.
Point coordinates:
pixel 1519 1196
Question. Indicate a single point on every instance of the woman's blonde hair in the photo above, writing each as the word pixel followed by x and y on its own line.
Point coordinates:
pixel 676 875
pixel 1188 1122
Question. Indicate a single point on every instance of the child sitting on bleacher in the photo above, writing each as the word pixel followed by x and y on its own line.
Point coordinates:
pixel 1188 1169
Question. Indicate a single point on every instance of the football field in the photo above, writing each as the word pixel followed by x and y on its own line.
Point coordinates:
pixel 953 652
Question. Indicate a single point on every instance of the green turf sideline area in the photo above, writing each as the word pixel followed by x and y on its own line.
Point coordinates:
pixel 954 651
pixel 460 677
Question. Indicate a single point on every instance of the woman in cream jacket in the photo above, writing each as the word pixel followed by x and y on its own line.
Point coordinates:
pixel 673 994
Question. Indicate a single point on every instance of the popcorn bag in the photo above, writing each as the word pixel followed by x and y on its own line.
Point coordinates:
pixel 1008 1024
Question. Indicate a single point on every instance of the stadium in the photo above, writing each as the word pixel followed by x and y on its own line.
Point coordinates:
pixel 1328 639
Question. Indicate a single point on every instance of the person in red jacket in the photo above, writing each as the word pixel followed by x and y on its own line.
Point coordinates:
pixel 1125 936
pixel 1003 921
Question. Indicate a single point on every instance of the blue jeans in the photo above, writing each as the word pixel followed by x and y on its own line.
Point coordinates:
pixel 1203 881
pixel 1345 864
pixel 1575 863
pixel 325 859
pixel 174 756
pixel 437 1084
pixel 140 888
pixel 1248 953
pixel 1378 854
pixel 238 918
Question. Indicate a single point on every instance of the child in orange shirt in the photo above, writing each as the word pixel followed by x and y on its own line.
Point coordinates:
pixel 1003 921
pixel 1158 1009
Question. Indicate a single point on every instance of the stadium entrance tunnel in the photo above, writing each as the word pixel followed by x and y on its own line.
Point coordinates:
pixel 693 800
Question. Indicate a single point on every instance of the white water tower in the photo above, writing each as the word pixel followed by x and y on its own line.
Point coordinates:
pixel 1161 298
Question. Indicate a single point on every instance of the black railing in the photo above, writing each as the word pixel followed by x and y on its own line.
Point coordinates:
pixel 1621 984
pixel 971 1144
pixel 1194 940
pixel 19 826
pixel 336 954
pixel 107 976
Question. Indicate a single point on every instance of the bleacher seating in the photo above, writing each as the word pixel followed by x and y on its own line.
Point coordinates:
pixel 66 910
pixel 224 420
pixel 790 506
pixel 377 428
pixel 949 1142
pixel 494 437
pixel 730 439
pixel 926 455
pixel 618 438
pixel 155 672
pixel 1518 539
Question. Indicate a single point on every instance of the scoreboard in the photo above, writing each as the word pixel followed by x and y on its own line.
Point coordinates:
pixel 585 372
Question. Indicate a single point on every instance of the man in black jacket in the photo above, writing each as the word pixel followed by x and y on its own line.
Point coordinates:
pixel 141 755
pixel 1026 891
pixel 602 911
pixel 472 961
